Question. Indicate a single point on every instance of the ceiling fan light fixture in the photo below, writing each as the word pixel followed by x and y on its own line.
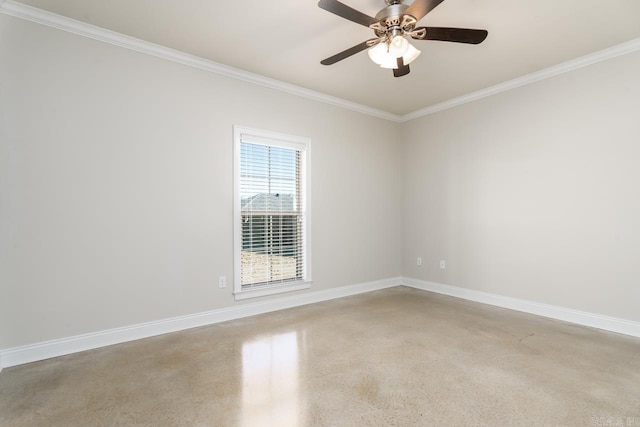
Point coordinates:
pixel 383 54
pixel 380 54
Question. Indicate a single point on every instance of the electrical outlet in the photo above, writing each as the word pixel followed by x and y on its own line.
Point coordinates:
pixel 222 282
pixel 419 261
pixel 443 264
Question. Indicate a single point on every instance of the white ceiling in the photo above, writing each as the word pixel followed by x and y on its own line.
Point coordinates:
pixel 286 39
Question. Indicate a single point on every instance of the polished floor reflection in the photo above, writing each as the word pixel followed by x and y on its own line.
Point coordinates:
pixel 270 381
pixel 398 357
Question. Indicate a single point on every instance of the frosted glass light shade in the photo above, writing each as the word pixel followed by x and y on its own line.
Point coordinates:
pixel 398 46
pixel 411 54
pixel 378 53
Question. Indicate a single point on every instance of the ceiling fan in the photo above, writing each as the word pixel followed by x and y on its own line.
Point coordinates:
pixel 392 26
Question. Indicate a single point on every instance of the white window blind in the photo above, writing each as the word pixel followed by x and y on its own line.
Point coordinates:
pixel 271 216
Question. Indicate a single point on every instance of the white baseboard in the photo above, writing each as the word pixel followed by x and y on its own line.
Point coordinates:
pixel 598 321
pixel 45 350
pixel 60 347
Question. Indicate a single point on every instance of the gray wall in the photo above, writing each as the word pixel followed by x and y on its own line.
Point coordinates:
pixel 533 193
pixel 116 185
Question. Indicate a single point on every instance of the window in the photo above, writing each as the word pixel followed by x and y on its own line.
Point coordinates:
pixel 272 246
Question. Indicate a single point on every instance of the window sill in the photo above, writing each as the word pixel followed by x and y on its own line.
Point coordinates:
pixel 255 293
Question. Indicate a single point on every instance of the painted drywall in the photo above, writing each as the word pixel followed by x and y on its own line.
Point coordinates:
pixel 116 186
pixel 532 193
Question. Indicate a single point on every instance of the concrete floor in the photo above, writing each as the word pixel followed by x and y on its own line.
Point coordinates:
pixel 397 357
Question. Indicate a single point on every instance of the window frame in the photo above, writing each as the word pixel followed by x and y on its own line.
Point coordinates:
pixel 274 139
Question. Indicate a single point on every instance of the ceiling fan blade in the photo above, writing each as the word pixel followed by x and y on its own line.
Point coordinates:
pixel 347 53
pixel 457 35
pixel 346 12
pixel 402 69
pixel 420 8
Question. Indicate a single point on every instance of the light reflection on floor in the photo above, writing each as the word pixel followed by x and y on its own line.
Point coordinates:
pixel 270 375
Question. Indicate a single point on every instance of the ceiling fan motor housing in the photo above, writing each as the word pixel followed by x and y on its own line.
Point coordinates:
pixel 393 21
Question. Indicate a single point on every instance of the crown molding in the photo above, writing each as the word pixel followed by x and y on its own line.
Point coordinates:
pixel 29 13
pixel 565 67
